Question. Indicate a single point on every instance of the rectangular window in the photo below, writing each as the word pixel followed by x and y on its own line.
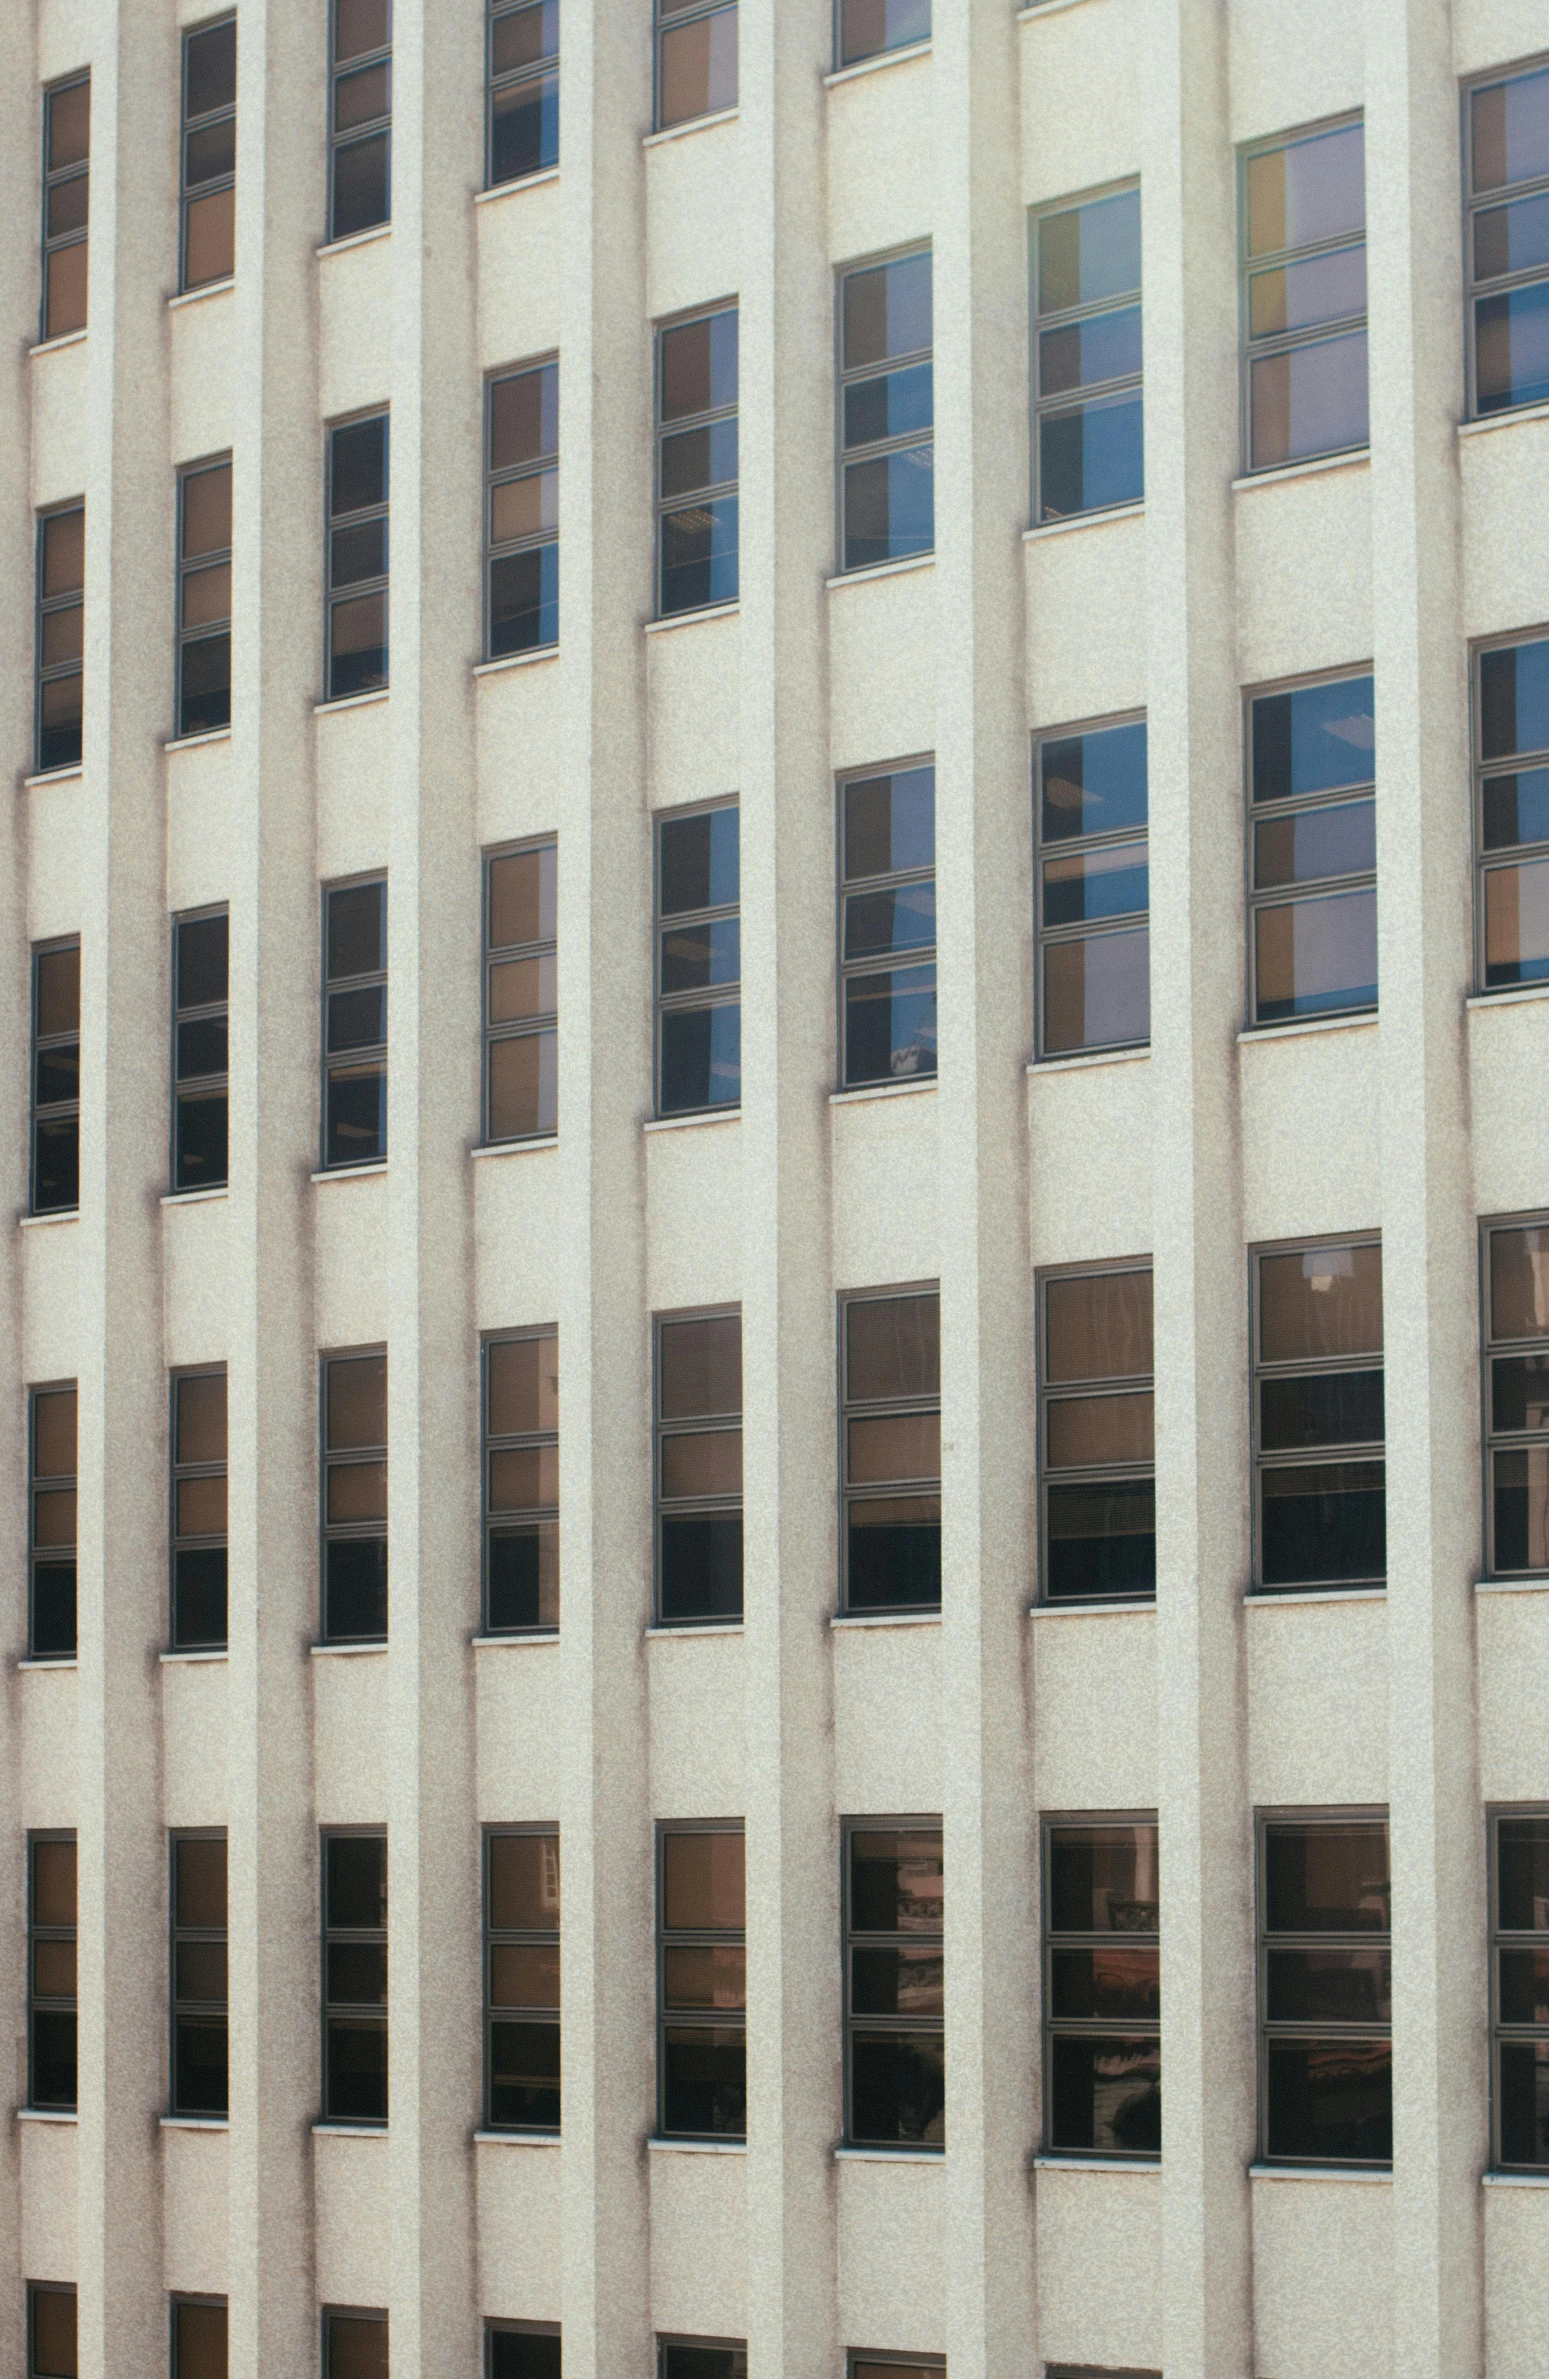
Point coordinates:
pixel 357 557
pixel 51 1970
pixel 521 1483
pixel 696 458
pixel 702 1982
pixel 1516 1419
pixel 51 1454
pixel 887 412
pixel 355 1980
pixel 1088 409
pixel 1098 1436
pixel 66 205
pixel 1511 813
pixel 521 1979
pixel 701 2358
pixel 1303 215
pixel 523 89
pixel 1313 877
pixel 199 2337
pixel 894 2002
pixel 199 1509
pixel 200 1088
pixel 209 154
pixel 362 136
pixel 354 1397
pixel 890 1349
pixel 1102 1988
pixel 699 1468
pixel 520 2350
pixel 521 970
pixel 56 1078
pixel 1508 240
pixel 1094 889
pixel 60 637
pixel 870 28
pixel 51 2338
pixel 354 2343
pixel 888 926
pixel 1519 1984
pixel 899 2366
pixel 355 1024
pixel 698 962
pixel 199 1989
pixel 1325 1992
pixel 204 599
pixel 1318 1416
pixel 523 515
pixel 696 60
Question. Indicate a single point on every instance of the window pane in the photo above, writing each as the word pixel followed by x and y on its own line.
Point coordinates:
pixel 878 923
pixel 1309 844
pixel 64 553
pixel 1338 1408
pixel 54 2351
pixel 357 1491
pixel 1326 1879
pixel 524 36
pixel 524 2087
pixel 709 1462
pixel 359 453
pixel 1324 1523
pixel 1507 239
pixel 1098 1326
pixel 1091 1430
pixel 65 302
pixel 1298 296
pixel 357 1403
pixel 1102 1539
pixel 206 512
pixel 871 26
pixel 890 406
pixel 1522 1875
pixel 1313 739
pixel 524 127
pixel 898 1447
pixel 358 655
pixel 357 925
pixel 69 126
pixel 1516 809
pixel 1094 784
pixel 887 312
pixel 522 2354
pixel 1311 190
pixel 699 555
pixel 1315 957
pixel 1511 131
pixel 1105 2094
pixel 358 2349
pixel 210 239
pixel 201 1507
pixel 1097 992
pixel 53 1883
pixel 898 2088
pixel 699 458
pixel 1088 253
pixel 362 97
pixel 704 1881
pixel 523 1086
pixel 524 1478
pixel 704 2081
pixel 53 1434
pixel 524 1883
pixel 894 1553
pixel 701 957
pixel 522 897
pixel 1091 456
pixel 701 1367
pixel 699 862
pixel 701 1567
pixel 1519 1282
pixel 1524 2101
pixel 1080 354
pixel 893 1347
pixel 701 1058
pixel 889 507
pixel 1329 1986
pixel 1330 2100
pixel 212 69
pixel 206 597
pixel 890 1025
pixel 201 2342
pixel 890 823
pixel 523 1386
pixel 524 1577
pixel 357 1881
pixel 699 67
pixel 1320 1301
pixel 1520 1488
pixel 1103 1879
pixel 1311 400
pixel 1088 886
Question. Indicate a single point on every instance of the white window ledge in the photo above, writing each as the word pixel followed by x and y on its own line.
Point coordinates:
pixel 47 2114
pixel 350 1172
pixel 847 1619
pixel 910 561
pixel 40 1222
pixel 1258 1601
pixel 689 1123
pixel 1306 1024
pixel 1508 999
pixel 1087 1057
pixel 881 1090
pixel 1083 520
pixel 722 115
pixel 1514 2180
pixel 694 1627
pixel 898 57
pixel 349 2131
pixel 196 2122
pixel 484 198
pixel 54 776
pixel 691 619
pixel 195 1197
pixel 193 297
pixel 1506 419
pixel 512 1147
pixel 191 743
pixel 1511 1585
pixel 1047 8
pixel 696 2147
pixel 179 1660
pixel 1318 2172
pixel 356 239
pixel 1091 1610
pixel 517 2139
pixel 69 338
pixel 1121 2164
pixel 498 668
pixel 65 1660
pixel 347 1651
pixel 351 702
pixel 1357 459
pixel 848 2155
pixel 527 1635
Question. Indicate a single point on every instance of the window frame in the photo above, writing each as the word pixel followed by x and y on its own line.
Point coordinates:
pixel 345 1530
pixel 510 79
pixel 206 1085
pixel 190 568
pixel 1490 1438
pixel 878 449
pixel 713 995
pixel 915 47
pixel 1306 1457
pixel 176 1472
pixel 493 1936
pixel 667 2339
pixel 328 2314
pixel 55 1483
pixel 52 1110
pixel 1293 805
pixel 503 549
pixel 187 124
pixel 1063 317
pixel 689 12
pixel 523 1027
pixel 48 607
pixel 1326 1818
pixel 358 589
pixel 175 2303
pixel 327 2007
pixel 901 2024
pixel 1502 2034
pixel 845 888
pixel 717 490
pixel 1072 1392
pixel 1051 1821
pixel 693 1936
pixel 1527 276
pixel 367 1053
pixel 176 2006
pixel 1079 846
pixel 49 180
pixel 497 1442
pixel 50 2003
pixel 494 2327
pixel 696 1425
pixel 1526 854
pixel 357 133
pixel 35 2289
pixel 1281 342
pixel 888 1490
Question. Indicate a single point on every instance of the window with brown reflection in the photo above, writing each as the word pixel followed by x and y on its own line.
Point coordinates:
pixel 354 1974
pixel 51 1943
pixel 1303 215
pixel 201 945
pixel 355 1024
pixel 1093 894
pixel 1088 406
pixel 871 28
pixel 52 2351
pixel 699 1467
pixel 204 599
pixel 521 1483
pixel 1516 1419
pixel 521 1978
pixel 521 2350
pixel 199 1980
pixel 702 1982
pixel 354 1396
pixel 521 994
pixel 361 122
pixel 890 1360
pixel 66 205
pixel 1318 1416
pixel 523 89
pixel 887 941
pixel 51 1460
pixel 1098 1436
pixel 199 2349
pixel 1325 1991
pixel 354 2343
pixel 209 154
pixel 56 1078
pixel 1507 246
pixel 1313 880
pixel 61 632
pixel 894 1983
pixel 1511 812
pixel 199 1509
pixel 887 411
pixel 358 557
pixel 522 524
pixel 1519 1988
pixel 696 60
pixel 1102 1988
pixel 696 461
pixel 862 2365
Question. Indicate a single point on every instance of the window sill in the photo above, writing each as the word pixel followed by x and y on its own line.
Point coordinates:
pixel 487 1148
pixel 1125 2164
pixel 1511 1585
pixel 898 57
pixel 659 2146
pixel 1092 1610
pixel 848 1619
pixel 39 1222
pixel 541 652
pixel 484 198
pixel 517 2139
pixel 1514 2180
pixel 178 1660
pixel 1089 1057
pixel 61 1660
pixel 347 1651
pixel 693 1627
pixel 688 1123
pixel 910 561
pixel 69 338
pixel 47 2114
pixel 722 115
pixel 1306 1024
pixel 191 743
pixel 691 619
pixel 192 297
pixel 524 1635
pixel 54 776
pixel 1083 520
pixel 351 702
pixel 1504 420
pixel 196 2122
pixel 848 2155
pixel 1046 8
pixel 355 239
pixel 1512 998
pixel 1321 2172
pixel 881 1090
pixel 1257 1600
pixel 327 2130
pixel 350 1172
pixel 1355 458
pixel 200 1197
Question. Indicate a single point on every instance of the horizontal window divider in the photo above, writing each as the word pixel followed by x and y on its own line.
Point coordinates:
pixel 690 619
pixel 1098 518
pixel 191 743
pixel 1093 1609
pixel 721 115
pixel 881 1090
pixel 352 701
pixel 1511 1585
pixel 482 198
pixel 67 1660
pixel 1514 2180
pixel 349 1172
pixel 695 1627
pixel 682 1123
pixel 195 1197
pixel 1260 1597
pixel 1508 999
pixel 343 1651
pixel 1321 2172
pixel 1505 419
pixel 47 2114
pixel 183 1659
pixel 321 2130
pixel 355 239
pixel 846 2153
pixel 1088 1057
pixel 898 57
pixel 57 1214
pixel 54 776
pixel 1349 459
pixel 193 297
pixel 1307 1024
pixel 907 562
pixel 929 1617
pixel 497 668
pixel 660 2143
pixel 195 2122
pixel 68 338
pixel 1110 2164
pixel 517 2139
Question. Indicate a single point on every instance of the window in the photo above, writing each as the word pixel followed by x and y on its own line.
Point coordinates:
pixel 357 558
pixel 1303 211
pixel 354 2342
pixel 1313 887
pixel 891 1391
pixel 52 1455
pixel 1508 240
pixel 520 2350
pixel 209 154
pixel 355 1980
pixel 1098 1436
pixel 362 116
pixel 1094 889
pixel 61 636
pixel 696 60
pixel 894 2366
pixel 355 1024
pixel 355 1498
pixel 66 204
pixel 51 2339
pixel 204 600
pixel 51 1970
pixel 1325 1992
pixel 1516 1420
pixel 699 962
pixel 887 474
pixel 521 1982
pixel 701 2358
pixel 699 1468
pixel 200 1094
pixel 56 1078
pixel 869 28
pixel 1318 1417
pixel 696 456
pixel 888 932
pixel 523 89
pixel 199 2337
pixel 521 1483
pixel 702 1983
pixel 1519 1983
pixel 1088 406
pixel 523 600
pixel 521 1038
pixel 1102 1989
pixel 199 1975
pixel 894 2005
pixel 199 1509
pixel 1511 811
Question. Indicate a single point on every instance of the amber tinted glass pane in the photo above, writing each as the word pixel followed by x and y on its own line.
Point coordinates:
pixel 523 1086
pixel 1103 1879
pixel 1326 1879
pixel 359 26
pixel 1093 1429
pixel 711 1975
pixel 1519 1283
pixel 703 1887
pixel 1099 1327
pixel 207 596
pixel 524 1882
pixel 64 553
pixel 524 507
pixel 53 1969
pixel 357 1491
pixel 201 1507
pixel 206 512
pixel 53 2334
pixel 63 635
pixel 53 1883
pixel 201 1418
pixel 522 898
pixel 1516 923
pixel 520 988
pixel 210 240
pixel 893 1348
pixel 902 1446
pixel 66 308
pixel 699 67
pixel 523 1386
pixel 707 1463
pixel 897 1881
pixel 523 417
pixel 200 1872
pixel 524 1479
pixel 201 2342
pixel 53 1434
pixel 1320 1301
pixel 357 1402
pixel 357 2349
pixel 701 1367
pixel 53 1517
pixel 524 1975
pixel 69 126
